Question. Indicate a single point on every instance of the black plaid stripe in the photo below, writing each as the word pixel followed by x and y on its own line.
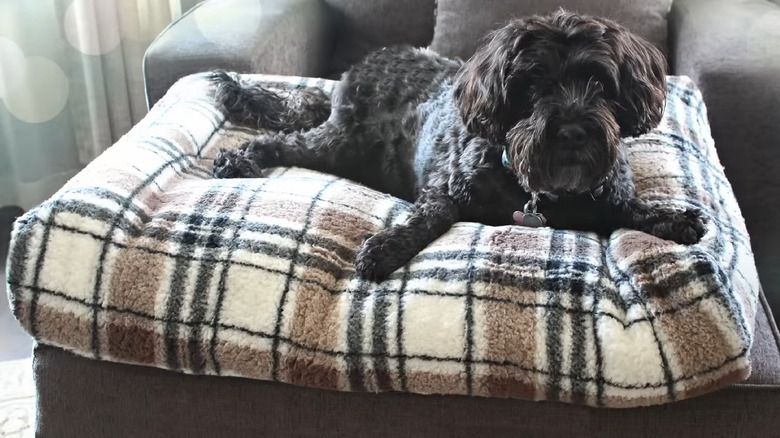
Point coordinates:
pixel 183 267
pixel 295 259
pixel 355 336
pixel 379 333
pixel 205 274
pixel 596 316
pixel 355 327
pixel 399 332
pixel 556 285
pixel 222 285
pixel 579 293
pixel 470 278
pixel 174 302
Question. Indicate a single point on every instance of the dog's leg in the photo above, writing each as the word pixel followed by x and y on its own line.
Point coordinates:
pixel 394 247
pixel 686 227
pixel 321 149
pixel 257 106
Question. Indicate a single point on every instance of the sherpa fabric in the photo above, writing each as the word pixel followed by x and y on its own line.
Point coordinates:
pixel 143 258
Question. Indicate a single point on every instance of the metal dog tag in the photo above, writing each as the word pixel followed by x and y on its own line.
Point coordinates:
pixel 529 217
pixel 533 220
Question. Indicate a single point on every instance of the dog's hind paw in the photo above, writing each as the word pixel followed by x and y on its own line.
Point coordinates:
pixel 685 227
pixel 226 88
pixel 247 103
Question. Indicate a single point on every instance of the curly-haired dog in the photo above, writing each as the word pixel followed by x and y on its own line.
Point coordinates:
pixel 540 109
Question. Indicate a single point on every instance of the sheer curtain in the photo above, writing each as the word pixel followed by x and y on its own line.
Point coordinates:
pixel 71 84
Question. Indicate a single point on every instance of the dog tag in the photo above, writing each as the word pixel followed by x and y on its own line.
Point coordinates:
pixel 533 220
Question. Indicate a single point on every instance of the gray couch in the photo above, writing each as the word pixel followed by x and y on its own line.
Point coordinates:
pixel 731 48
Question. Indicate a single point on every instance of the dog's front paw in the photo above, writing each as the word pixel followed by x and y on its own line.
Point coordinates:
pixel 377 259
pixel 236 163
pixel 249 160
pixel 686 227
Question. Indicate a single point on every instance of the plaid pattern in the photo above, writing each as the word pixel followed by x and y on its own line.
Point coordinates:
pixel 142 258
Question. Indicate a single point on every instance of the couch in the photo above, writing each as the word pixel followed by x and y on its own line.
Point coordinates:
pixel 727 47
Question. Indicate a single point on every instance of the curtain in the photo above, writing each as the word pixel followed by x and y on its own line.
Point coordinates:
pixel 71 84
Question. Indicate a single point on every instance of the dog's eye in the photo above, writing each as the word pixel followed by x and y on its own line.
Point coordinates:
pixel 535 71
pixel 605 83
pixel 591 72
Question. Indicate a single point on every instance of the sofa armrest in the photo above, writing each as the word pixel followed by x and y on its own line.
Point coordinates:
pixel 290 37
pixel 731 48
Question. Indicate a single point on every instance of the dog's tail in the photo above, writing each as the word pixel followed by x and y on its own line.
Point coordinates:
pixel 258 106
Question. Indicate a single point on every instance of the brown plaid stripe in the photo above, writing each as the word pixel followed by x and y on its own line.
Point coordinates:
pixel 142 258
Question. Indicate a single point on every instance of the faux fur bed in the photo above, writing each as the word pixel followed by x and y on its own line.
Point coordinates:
pixel 143 258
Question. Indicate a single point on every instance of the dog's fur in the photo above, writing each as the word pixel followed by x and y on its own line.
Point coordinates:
pixel 556 92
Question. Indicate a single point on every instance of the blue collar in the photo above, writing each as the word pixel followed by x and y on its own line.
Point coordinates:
pixel 505 160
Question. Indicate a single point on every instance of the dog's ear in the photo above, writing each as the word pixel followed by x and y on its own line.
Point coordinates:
pixel 642 84
pixel 482 84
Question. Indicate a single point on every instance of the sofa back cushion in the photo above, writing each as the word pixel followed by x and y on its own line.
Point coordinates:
pixel 462 24
pixel 365 25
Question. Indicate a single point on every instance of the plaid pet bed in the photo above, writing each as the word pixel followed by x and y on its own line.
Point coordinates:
pixel 143 258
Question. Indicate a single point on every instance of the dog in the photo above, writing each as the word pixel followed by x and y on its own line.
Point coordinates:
pixel 528 130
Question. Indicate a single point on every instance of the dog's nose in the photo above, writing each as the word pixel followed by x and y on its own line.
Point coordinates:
pixel 570 133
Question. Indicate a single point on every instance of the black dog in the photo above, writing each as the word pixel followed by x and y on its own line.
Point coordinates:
pixel 539 109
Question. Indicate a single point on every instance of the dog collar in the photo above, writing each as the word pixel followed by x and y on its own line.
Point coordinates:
pixel 598 191
pixel 594 193
pixel 530 217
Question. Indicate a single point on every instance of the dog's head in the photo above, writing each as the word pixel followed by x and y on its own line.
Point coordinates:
pixel 560 91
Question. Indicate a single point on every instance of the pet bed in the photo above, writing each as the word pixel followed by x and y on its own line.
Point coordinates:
pixel 143 258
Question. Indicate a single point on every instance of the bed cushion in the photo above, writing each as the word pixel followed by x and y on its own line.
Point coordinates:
pixel 462 24
pixel 143 258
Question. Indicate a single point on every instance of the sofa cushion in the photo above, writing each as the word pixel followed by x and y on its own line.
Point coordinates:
pixel 144 258
pixel 462 24
pixel 362 26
